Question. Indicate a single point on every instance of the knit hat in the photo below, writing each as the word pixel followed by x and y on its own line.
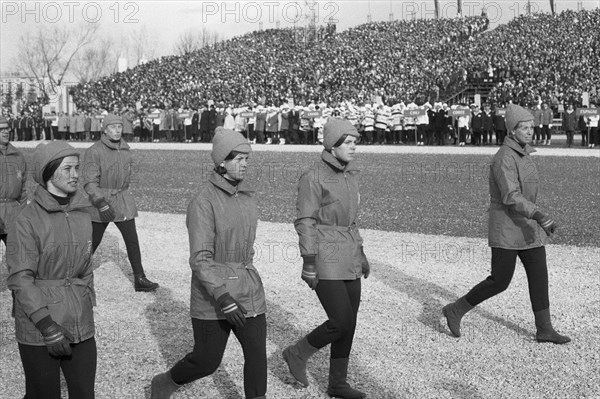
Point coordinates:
pixel 516 114
pixel 3 123
pixel 334 129
pixel 48 151
pixel 112 119
pixel 225 141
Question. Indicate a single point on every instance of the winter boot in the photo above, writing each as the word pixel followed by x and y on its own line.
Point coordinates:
pixel 296 357
pixel 454 313
pixel 162 386
pixel 141 283
pixel 545 331
pixel 338 387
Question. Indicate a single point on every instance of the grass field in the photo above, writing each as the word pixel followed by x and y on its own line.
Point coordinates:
pixel 423 218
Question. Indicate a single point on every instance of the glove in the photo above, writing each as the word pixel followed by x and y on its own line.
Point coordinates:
pixel 545 222
pixel 234 312
pixel 309 273
pixel 366 268
pixel 550 126
pixel 541 126
pixel 55 337
pixel 107 213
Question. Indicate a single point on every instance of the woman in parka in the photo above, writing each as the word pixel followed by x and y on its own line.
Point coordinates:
pixel 50 272
pixel 106 173
pixel 517 227
pixel 332 253
pixel 227 291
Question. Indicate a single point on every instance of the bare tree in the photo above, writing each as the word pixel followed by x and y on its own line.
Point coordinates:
pixel 48 53
pixel 139 45
pixel 189 41
pixel 95 62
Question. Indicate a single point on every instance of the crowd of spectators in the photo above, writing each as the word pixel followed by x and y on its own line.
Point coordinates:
pixel 554 57
pixel 399 59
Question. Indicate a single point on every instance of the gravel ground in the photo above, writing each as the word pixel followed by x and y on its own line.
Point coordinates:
pixel 401 347
pixel 413 193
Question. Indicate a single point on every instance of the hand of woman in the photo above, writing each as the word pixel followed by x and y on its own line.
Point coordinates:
pixel 366 268
pixel 56 337
pixel 309 275
pixel 233 310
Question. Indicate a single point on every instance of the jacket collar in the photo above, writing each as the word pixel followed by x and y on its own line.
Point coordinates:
pixel 121 145
pixel 47 201
pixel 222 183
pixel 335 164
pixel 512 143
pixel 11 150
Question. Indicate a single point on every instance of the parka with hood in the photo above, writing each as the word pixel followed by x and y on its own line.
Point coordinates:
pixel 514 184
pixel 49 259
pixel 221 222
pixel 327 209
pixel 106 170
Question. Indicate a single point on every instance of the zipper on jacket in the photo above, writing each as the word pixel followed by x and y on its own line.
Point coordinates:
pixel 70 272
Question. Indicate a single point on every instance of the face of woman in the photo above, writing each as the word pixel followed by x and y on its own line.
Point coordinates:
pixel 64 180
pixel 345 151
pixel 114 131
pixel 236 167
pixel 524 132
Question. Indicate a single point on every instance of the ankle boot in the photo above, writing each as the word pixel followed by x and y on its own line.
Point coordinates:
pixel 296 357
pixel 162 386
pixel 141 283
pixel 454 312
pixel 338 387
pixel 545 331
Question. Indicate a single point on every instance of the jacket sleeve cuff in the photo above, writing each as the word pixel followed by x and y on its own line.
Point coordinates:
pixel 310 259
pixel 39 314
pixel 219 291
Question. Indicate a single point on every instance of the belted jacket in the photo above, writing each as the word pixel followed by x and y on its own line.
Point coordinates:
pixel 105 172
pixel 327 209
pixel 514 183
pixel 50 269
pixel 221 222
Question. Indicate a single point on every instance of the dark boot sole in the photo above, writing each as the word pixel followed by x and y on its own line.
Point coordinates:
pixel 144 289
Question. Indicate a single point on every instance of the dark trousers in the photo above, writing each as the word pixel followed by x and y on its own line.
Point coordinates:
pixel 129 233
pixel 476 138
pixel 537 133
pixel 594 136
pixel 42 371
pixel 500 135
pixel 260 136
pixel 462 134
pixel 380 135
pixel 421 132
pixel 546 134
pixel 569 134
pixel 340 300
pixel 503 268
pixel 210 340
pixel 584 137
